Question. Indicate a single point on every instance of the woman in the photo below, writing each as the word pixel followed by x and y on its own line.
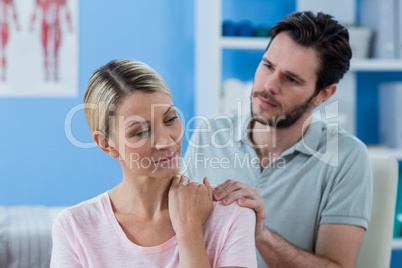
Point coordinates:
pixel 154 217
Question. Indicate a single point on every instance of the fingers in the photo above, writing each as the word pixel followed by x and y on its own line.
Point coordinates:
pixel 179 179
pixel 184 180
pixel 227 188
pixel 209 188
pixel 176 180
pixel 258 206
pixel 222 186
pixel 242 193
pixel 206 182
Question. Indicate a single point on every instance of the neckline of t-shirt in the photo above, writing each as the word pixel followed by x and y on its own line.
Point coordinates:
pixel 116 226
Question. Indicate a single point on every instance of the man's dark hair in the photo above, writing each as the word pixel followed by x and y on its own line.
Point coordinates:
pixel 326 36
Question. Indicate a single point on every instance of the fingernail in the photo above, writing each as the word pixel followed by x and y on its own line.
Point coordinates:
pixel 226 200
pixel 217 195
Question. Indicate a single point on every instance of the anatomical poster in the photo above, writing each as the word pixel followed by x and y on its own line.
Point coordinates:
pixel 38 48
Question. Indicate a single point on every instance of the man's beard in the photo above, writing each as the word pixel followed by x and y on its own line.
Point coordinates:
pixel 285 120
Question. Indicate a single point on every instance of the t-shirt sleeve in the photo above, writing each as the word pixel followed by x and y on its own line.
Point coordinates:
pixel 239 247
pixel 63 252
pixel 350 198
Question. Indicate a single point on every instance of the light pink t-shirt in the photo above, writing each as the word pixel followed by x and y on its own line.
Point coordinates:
pixel 88 235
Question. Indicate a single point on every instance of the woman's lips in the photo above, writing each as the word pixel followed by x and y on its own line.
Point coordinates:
pixel 266 102
pixel 167 160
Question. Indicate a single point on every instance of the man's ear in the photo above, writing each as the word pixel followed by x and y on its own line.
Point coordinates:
pixel 103 142
pixel 324 94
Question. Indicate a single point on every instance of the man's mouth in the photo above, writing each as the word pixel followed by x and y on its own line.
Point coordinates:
pixel 267 102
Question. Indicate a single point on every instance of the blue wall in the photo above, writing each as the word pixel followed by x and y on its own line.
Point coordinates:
pixel 39 166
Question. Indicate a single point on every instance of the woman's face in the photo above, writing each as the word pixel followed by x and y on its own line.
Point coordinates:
pixel 147 135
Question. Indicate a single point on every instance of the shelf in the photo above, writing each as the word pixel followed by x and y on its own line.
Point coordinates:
pixel 258 43
pixel 397 243
pixel 244 43
pixel 376 65
pixel 397 153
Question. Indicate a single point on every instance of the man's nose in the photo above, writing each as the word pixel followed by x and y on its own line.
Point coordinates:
pixel 272 83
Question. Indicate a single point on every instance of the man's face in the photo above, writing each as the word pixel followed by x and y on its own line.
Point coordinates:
pixel 284 83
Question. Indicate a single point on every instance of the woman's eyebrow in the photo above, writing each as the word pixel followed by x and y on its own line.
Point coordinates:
pixel 148 122
pixel 138 123
pixel 168 109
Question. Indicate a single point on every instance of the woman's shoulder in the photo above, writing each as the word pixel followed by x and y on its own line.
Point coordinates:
pixel 227 225
pixel 227 214
pixel 84 211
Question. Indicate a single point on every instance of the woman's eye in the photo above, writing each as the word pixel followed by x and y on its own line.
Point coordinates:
pixel 171 120
pixel 141 134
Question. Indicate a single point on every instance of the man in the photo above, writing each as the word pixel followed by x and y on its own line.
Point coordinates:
pixel 309 182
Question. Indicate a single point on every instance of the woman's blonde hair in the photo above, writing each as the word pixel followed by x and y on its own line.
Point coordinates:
pixel 111 84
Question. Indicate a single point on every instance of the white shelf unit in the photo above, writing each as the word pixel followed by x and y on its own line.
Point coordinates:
pixel 397 153
pixel 397 243
pixel 244 43
pixel 258 43
pixel 209 44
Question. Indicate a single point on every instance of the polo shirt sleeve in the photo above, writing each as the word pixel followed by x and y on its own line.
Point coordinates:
pixel 349 198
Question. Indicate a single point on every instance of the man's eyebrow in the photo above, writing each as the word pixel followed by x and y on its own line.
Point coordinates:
pixel 301 80
pixel 266 61
pixel 297 77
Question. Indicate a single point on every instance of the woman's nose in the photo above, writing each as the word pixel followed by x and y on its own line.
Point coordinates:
pixel 163 140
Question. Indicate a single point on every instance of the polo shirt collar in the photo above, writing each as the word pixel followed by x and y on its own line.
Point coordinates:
pixel 241 126
pixel 310 141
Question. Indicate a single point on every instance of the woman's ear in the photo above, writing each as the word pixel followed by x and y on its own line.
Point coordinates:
pixel 324 94
pixel 103 142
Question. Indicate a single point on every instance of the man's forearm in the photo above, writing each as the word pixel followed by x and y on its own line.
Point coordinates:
pixel 277 252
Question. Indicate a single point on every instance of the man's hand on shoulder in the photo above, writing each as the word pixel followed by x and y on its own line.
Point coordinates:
pixel 231 191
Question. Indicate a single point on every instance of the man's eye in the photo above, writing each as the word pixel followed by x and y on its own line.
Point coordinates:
pixel 292 80
pixel 269 66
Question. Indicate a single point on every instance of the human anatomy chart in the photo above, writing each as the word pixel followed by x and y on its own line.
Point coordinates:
pixel 39 48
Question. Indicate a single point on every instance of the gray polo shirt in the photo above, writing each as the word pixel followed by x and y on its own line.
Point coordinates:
pixel 324 178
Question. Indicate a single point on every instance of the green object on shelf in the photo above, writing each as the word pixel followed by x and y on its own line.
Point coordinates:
pixel 398 209
pixel 261 31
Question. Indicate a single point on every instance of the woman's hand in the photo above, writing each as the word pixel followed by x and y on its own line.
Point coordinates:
pixel 231 191
pixel 189 204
